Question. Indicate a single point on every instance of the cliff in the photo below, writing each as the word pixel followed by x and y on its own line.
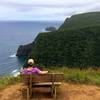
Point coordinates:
pixel 79 46
pixel 24 50
pixel 81 21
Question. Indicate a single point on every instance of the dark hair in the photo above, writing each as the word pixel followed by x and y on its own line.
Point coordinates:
pixel 27 65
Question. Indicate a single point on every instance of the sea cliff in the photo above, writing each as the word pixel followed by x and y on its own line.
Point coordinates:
pixel 69 45
pixel 24 50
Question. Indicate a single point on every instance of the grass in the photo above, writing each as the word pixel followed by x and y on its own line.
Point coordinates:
pixel 75 76
pixel 88 76
pixel 6 81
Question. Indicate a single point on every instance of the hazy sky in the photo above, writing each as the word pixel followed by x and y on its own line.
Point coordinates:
pixel 45 9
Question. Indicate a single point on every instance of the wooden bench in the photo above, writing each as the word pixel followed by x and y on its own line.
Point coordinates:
pixel 50 80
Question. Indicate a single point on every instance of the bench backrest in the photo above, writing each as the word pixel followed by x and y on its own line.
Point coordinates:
pixel 50 77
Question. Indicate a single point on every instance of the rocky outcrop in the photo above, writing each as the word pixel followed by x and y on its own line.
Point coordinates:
pixel 50 29
pixel 24 50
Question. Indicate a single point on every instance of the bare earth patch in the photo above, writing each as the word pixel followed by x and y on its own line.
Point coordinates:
pixel 65 92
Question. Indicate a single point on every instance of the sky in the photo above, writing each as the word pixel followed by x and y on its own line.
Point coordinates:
pixel 45 9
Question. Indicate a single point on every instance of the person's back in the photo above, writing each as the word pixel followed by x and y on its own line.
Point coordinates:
pixel 32 69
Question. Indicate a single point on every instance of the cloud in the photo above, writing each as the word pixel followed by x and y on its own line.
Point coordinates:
pixel 45 10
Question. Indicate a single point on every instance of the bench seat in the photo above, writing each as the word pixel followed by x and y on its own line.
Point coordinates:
pixel 46 84
pixel 50 80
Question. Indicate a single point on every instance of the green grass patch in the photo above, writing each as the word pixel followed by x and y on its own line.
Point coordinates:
pixel 88 76
pixel 6 81
pixel 75 76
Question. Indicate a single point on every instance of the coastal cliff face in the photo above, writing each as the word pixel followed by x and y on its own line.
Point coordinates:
pixel 69 45
pixel 81 20
pixel 24 50
pixel 74 22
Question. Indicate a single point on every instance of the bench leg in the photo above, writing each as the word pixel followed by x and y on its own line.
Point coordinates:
pixel 28 96
pixel 30 92
pixel 52 91
pixel 55 93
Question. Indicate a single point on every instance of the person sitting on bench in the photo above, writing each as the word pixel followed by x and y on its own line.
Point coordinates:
pixel 32 69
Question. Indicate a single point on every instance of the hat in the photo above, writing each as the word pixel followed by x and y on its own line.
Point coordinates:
pixel 30 61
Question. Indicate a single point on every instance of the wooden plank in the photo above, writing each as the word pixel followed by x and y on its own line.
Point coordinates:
pixel 47 80
pixel 57 77
pixel 28 96
pixel 47 83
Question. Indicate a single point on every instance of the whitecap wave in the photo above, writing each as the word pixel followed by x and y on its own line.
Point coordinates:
pixel 12 56
pixel 15 72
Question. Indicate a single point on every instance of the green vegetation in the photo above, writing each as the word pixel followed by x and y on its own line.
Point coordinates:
pixel 81 21
pixel 80 47
pixel 6 81
pixel 78 76
pixel 75 76
pixel 75 43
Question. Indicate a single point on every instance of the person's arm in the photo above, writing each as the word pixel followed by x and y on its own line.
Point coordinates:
pixel 43 72
pixel 37 70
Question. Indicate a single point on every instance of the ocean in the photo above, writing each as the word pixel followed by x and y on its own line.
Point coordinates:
pixel 13 34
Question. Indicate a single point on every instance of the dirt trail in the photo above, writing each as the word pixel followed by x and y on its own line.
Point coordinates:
pixel 66 92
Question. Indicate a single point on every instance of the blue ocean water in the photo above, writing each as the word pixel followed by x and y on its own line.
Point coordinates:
pixel 13 34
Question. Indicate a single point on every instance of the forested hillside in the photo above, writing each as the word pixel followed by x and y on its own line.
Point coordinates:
pixel 79 47
pixel 81 20
pixel 75 44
